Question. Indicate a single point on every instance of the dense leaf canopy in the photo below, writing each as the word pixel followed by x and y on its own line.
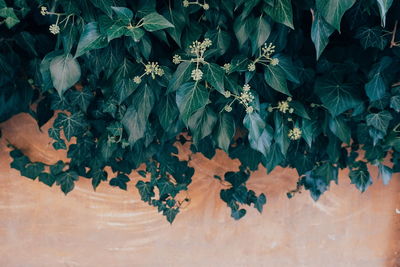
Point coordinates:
pixel 311 84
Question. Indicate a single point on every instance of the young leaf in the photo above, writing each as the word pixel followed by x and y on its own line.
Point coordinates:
pixel 380 120
pixel 333 10
pixel 65 72
pixel 154 22
pixel 384 6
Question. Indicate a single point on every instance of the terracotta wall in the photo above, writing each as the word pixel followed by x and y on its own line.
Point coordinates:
pixel 39 226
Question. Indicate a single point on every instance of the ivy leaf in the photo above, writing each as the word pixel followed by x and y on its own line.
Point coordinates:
pixel 146 190
pixel 32 170
pixel 372 37
pixel 384 6
pixel 65 72
pixel 281 132
pixel 320 32
pixel 98 175
pixel 238 214
pixel 201 123
pixel 385 173
pixel 47 178
pixel 181 75
pixel 336 97
pixel 124 14
pixel 273 158
pixel 170 214
pixel 136 117
pixel 67 181
pixel 225 131
pixel 260 135
pixel 380 120
pixel 220 38
pixel 90 39
pixel 308 129
pixel 104 5
pixel 376 87
pixel 395 103
pixel 333 10
pixel 191 97
pixel 276 78
pixel 168 111
pixel 214 74
pixel 281 12
pixel 261 32
pixel 154 22
pixel 120 181
pixel 81 98
pixel 72 125
pixel 260 202
pixel 339 127
pixel 10 19
pixel 360 176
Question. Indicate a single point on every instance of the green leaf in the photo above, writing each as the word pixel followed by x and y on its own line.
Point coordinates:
pixel 32 170
pixel 260 135
pixel 72 125
pixel 225 131
pixel 273 158
pixel 372 37
pixel 380 120
pixel 261 32
pixel 9 15
pixel 81 98
pixel 336 97
pixel 318 180
pixel 384 6
pixel 171 213
pixel 124 14
pixel 136 117
pixel 90 39
pixel 320 32
pixel 154 22
pixel 98 175
pixel 360 176
pixel 276 78
pixel 201 123
pixel 65 72
pixel 120 181
pixel 376 87
pixel 214 74
pixel 67 181
pixel 333 10
pixel 260 202
pixel 104 5
pixel 339 127
pixel 47 178
pixel 281 12
pixel 191 97
pixel 395 103
pixel 281 132
pixel 146 190
pixel 168 111
pixel 180 76
pixel 385 173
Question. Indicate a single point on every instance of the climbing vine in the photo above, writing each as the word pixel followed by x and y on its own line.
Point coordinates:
pixel 309 85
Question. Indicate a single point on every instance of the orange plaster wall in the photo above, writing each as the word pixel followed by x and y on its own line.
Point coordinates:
pixel 39 226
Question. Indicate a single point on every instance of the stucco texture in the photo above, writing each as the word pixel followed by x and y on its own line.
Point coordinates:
pixel 39 226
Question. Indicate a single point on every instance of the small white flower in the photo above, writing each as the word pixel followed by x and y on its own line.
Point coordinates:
pixel 54 29
pixel 249 109
pixel 283 106
pixel 274 61
pixel 294 133
pixel 227 94
pixel 227 67
pixel 270 109
pixel 43 11
pixel 207 42
pixel 197 74
pixel 206 7
pixel 289 99
pixel 137 79
pixel 176 59
pixel 312 105
pixel 246 87
pixel 228 108
pixel 185 3
pixel 291 110
pixel 251 67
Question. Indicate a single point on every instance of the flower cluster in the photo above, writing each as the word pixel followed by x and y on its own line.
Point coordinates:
pixel 264 58
pixel 55 28
pixel 198 49
pixel 295 133
pixel 283 106
pixel 245 98
pixel 205 6
pixel 152 69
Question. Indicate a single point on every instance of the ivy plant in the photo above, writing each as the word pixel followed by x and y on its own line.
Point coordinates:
pixel 312 85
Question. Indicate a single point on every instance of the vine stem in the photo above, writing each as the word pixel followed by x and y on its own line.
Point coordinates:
pixel 392 42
